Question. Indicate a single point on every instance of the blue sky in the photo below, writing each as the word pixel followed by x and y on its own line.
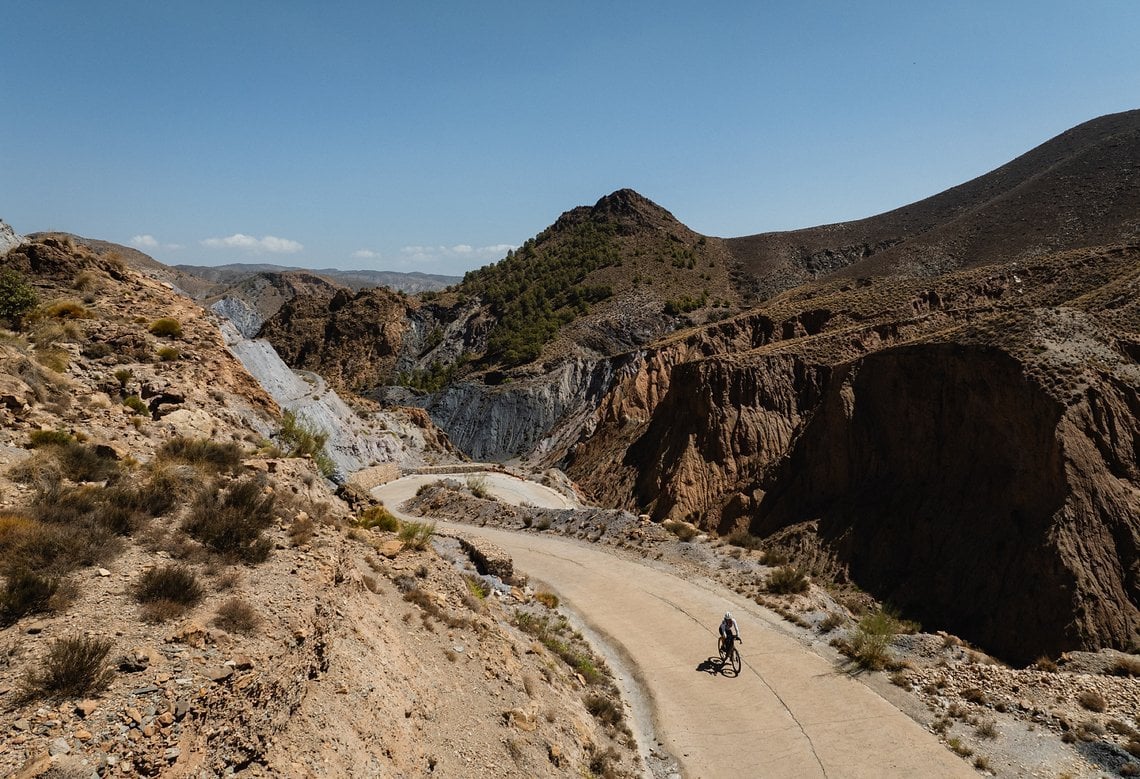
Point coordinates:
pixel 432 136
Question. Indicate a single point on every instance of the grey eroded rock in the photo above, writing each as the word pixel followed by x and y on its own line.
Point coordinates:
pixel 8 238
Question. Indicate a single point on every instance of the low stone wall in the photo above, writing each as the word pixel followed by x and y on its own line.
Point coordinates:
pixel 489 559
pixel 374 476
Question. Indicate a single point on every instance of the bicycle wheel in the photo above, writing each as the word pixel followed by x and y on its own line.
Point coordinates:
pixel 735 661
pixel 720 650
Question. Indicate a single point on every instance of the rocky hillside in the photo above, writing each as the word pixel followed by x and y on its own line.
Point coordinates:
pixel 177 598
pixel 954 442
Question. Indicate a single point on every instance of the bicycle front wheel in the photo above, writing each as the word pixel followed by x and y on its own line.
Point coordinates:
pixel 735 661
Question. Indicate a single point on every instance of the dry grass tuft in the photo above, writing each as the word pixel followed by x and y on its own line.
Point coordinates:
pixel 73 667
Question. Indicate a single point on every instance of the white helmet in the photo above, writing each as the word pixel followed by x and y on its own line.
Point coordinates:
pixel 727 617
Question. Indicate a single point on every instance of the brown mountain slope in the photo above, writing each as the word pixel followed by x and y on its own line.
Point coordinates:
pixel 1081 188
pixel 955 442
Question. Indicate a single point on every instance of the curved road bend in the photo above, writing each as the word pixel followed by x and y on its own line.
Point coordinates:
pixel 789 714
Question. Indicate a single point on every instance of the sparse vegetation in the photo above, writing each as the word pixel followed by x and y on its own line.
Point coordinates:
pixel 787 580
pixel 26 592
pixel 539 288
pixel 548 599
pixel 743 539
pixel 1126 666
pixel 136 404
pixel 73 667
pixel 416 535
pixel 203 453
pixel 167 591
pixel 166 328
pixel 17 296
pixel 38 438
pixel 301 440
pixel 231 521
pixel 378 517
pixel 869 644
pixel 1044 663
pixel 477 484
pixel 683 530
pixel 66 309
pixel 169 353
pixel 1092 700
pixel 237 616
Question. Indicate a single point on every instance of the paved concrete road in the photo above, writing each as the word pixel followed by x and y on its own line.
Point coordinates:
pixel 790 713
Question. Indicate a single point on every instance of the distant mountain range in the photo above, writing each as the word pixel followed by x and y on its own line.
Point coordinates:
pixel 411 283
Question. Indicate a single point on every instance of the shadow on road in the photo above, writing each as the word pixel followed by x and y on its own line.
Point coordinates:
pixel 714 665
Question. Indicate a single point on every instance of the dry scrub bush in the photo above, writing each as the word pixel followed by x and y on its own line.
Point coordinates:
pixel 869 644
pixel 683 530
pixel 1092 700
pixel 743 539
pixel 73 667
pixel 230 522
pixel 237 616
pixel 1044 663
pixel 167 591
pixel 787 580
pixel 1126 666
pixel 66 309
pixel 548 599
pixel 30 592
pixel 169 354
pixel 166 328
pixel 202 453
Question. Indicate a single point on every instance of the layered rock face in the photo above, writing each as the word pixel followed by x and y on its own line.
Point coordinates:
pixel 8 238
pixel 969 454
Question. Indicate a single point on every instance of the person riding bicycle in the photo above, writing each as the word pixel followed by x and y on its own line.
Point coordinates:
pixel 729 633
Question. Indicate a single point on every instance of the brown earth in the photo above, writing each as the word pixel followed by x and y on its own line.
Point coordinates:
pixel 359 656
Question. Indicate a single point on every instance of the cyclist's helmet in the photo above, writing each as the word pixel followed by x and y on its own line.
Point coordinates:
pixel 727 617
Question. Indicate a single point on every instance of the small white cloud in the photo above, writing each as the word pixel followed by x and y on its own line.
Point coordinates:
pixel 434 254
pixel 365 254
pixel 268 243
pixel 144 241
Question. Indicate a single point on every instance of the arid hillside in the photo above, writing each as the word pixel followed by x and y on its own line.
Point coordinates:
pixel 182 593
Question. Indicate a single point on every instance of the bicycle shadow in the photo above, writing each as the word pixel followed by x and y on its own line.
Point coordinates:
pixel 714 666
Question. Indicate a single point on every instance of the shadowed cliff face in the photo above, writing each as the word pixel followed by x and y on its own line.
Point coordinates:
pixel 936 473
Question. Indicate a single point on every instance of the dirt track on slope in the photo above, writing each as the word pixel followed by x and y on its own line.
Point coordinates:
pixel 790 713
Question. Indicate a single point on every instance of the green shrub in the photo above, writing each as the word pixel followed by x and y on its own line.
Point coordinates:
pixel 17 296
pixel 203 453
pixel 378 517
pixel 231 521
pixel 136 404
pixel 417 535
pixel 301 440
pixel 166 328
pixel 872 638
pixel 477 484
pixel 38 438
pixel 169 354
pixel 74 667
pixel 477 587
pixel 123 376
pixel 787 580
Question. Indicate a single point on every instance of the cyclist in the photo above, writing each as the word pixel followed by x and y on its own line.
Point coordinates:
pixel 729 633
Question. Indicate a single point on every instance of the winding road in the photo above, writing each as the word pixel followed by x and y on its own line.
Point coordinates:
pixel 790 713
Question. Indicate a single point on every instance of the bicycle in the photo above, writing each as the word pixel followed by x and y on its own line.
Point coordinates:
pixel 730 654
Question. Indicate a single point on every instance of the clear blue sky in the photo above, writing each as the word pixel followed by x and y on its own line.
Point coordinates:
pixel 427 135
